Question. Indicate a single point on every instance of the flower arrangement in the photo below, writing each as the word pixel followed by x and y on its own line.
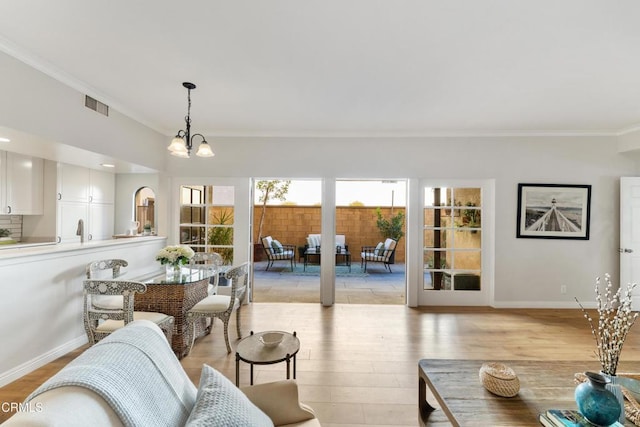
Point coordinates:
pixel 176 254
pixel 615 318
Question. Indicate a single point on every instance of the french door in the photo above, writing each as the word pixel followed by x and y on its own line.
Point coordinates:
pixel 456 237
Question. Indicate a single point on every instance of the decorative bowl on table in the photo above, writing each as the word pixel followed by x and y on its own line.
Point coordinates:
pixel 271 339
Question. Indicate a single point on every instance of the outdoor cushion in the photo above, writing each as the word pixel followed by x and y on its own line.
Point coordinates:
pixel 379 248
pixel 277 246
pixel 314 240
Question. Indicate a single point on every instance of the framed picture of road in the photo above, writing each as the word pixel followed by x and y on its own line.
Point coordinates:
pixel 553 211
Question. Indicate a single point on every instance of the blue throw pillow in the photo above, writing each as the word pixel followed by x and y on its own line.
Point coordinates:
pixel 277 247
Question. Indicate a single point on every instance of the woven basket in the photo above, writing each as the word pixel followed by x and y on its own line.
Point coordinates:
pixel 499 379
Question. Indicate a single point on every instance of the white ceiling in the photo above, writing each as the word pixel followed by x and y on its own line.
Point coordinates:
pixel 344 67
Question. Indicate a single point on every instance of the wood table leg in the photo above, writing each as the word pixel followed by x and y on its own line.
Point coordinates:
pixel 425 409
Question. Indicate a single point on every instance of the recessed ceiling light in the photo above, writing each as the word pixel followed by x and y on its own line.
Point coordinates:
pixel 4 139
pixel 107 165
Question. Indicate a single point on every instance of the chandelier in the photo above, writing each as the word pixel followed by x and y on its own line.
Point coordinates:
pixel 182 143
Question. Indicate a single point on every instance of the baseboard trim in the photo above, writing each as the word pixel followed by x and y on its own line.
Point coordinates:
pixel 542 304
pixel 38 362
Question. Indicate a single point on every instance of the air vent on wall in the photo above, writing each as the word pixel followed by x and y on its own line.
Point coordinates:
pixel 96 105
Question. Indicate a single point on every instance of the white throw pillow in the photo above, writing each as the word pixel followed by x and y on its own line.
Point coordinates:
pixel 220 403
pixel 379 250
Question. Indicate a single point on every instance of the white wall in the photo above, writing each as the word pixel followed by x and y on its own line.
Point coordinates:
pixel 42 301
pixel 528 272
pixel 34 103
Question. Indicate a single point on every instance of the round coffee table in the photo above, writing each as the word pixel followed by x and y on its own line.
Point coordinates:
pixel 251 350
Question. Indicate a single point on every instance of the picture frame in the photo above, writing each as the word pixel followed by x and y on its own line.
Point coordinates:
pixel 554 211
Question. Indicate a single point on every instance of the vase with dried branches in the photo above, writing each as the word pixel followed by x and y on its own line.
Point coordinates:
pixel 615 319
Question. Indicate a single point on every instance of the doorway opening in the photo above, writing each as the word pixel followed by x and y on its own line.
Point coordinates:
pixel 144 202
pixel 293 223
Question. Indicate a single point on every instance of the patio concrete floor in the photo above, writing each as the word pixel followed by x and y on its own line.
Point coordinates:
pixel 378 286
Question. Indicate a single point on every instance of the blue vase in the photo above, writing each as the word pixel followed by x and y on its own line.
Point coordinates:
pixel 595 402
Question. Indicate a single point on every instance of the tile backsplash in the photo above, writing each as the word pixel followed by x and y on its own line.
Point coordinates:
pixel 14 224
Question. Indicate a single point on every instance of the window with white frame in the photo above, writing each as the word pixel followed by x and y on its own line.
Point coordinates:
pixel 452 239
pixel 207 219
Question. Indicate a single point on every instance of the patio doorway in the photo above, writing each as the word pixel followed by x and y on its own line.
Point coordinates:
pixel 298 215
pixel 367 213
pixel 287 211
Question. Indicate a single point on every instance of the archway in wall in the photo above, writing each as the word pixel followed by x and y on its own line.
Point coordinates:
pixel 144 210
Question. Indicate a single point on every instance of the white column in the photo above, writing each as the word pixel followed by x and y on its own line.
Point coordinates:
pixel 327 266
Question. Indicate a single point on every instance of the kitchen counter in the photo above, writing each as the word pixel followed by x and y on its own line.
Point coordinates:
pixel 42 300
pixel 20 250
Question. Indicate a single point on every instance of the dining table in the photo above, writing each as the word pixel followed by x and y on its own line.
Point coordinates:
pixel 175 294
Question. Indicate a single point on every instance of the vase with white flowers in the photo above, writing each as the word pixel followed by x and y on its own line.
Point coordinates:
pixel 615 319
pixel 172 257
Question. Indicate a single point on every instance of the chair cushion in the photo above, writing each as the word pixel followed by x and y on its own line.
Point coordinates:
pixel 220 403
pixel 389 243
pixel 372 257
pixel 111 325
pixel 314 240
pixel 277 246
pixel 379 249
pixel 266 242
pixel 213 303
pixel 282 255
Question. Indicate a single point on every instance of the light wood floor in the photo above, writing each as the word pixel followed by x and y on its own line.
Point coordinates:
pixel 358 363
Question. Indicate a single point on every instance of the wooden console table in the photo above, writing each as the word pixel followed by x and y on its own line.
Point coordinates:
pixel 463 400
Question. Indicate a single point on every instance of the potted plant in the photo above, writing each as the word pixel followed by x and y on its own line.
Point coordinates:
pixel 222 236
pixel 471 217
pixel 5 234
pixel 274 189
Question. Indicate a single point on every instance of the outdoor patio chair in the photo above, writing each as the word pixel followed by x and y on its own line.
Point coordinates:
pixel 276 251
pixel 382 253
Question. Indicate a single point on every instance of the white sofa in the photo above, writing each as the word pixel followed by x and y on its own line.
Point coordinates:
pixel 132 378
pixel 315 240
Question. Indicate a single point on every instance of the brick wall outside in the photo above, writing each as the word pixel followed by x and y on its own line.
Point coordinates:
pixel 291 225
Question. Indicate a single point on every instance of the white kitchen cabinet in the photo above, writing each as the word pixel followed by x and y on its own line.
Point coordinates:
pixel 73 183
pixel 88 194
pixel 102 187
pixel 22 184
pixel 69 214
pixel 101 220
